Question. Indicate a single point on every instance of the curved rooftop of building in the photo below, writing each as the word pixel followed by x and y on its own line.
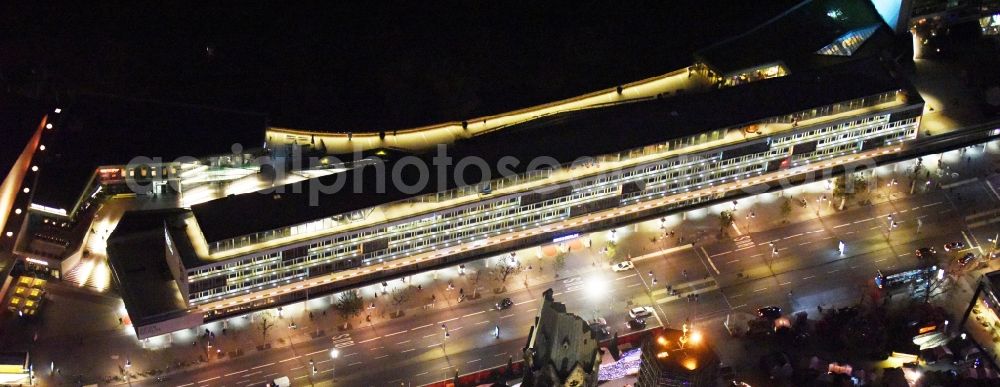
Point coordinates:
pixel 563 137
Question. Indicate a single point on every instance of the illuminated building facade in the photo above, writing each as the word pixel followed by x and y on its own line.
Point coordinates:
pixel 609 160
pixel 336 238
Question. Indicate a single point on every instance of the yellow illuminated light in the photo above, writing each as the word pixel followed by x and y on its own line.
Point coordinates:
pixel 690 363
pixel 662 355
pixel 662 340
pixel 696 337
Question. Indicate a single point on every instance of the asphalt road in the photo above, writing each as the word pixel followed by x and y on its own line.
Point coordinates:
pixel 731 276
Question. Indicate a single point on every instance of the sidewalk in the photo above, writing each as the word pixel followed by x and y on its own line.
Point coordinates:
pixel 583 255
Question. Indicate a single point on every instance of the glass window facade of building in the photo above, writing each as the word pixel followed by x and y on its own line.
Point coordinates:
pixel 659 170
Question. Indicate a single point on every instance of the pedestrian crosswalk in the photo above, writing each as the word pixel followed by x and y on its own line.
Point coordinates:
pixel 744 242
pixel 662 296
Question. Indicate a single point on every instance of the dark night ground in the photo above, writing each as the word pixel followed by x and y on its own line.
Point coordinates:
pixel 338 66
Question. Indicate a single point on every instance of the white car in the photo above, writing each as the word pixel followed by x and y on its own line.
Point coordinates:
pixel 640 312
pixel 623 266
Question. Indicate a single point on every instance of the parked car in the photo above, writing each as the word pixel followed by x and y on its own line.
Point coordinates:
pixel 956 245
pixel 966 259
pixel 623 266
pixel 636 324
pixel 641 312
pixel 769 312
pixel 600 328
pixel 925 253
pixel 505 303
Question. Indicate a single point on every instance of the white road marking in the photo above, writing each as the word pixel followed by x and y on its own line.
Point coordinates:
pixel 422 326
pixel 393 334
pixel 531 300
pixel 759 290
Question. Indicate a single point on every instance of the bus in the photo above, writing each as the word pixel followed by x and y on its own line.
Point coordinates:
pixel 897 278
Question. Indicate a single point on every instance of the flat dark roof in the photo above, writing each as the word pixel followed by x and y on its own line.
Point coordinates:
pixel 99 130
pixel 137 256
pixel 564 137
pixel 353 66
pixel 794 36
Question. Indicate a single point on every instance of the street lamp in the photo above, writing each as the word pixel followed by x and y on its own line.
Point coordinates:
pixel 334 354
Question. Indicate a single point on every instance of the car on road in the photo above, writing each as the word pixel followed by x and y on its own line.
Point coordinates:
pixel 925 253
pixel 600 328
pixel 640 312
pixel 956 245
pixel 636 324
pixel 623 266
pixel 769 312
pixel 505 303
pixel 966 259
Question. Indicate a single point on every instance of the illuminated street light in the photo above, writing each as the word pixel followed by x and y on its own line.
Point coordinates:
pixel 48 126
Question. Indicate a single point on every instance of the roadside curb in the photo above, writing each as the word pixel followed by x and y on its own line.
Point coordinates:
pixel 664 252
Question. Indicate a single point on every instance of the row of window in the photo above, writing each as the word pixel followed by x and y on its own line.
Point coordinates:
pixel 494 216
pixel 495 220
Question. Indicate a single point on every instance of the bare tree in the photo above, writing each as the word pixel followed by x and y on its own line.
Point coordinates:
pixel 349 305
pixel 502 271
pixel 786 209
pixel 726 220
pixel 933 286
pixel 265 321
pixel 475 284
pixel 559 262
pixel 399 297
